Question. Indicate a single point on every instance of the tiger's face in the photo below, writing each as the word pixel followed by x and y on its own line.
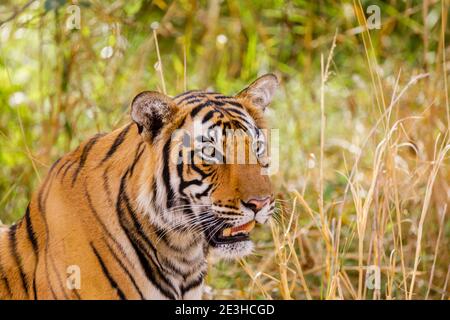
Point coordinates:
pixel 221 168
pixel 214 164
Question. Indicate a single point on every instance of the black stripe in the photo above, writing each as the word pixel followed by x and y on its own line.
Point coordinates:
pixel 145 262
pixel 238 122
pixel 68 168
pixel 62 167
pixel 204 193
pixel 234 103
pixel 34 284
pixel 117 142
pixel 87 148
pixel 133 281
pixel 197 169
pixel 58 277
pixel 100 221
pixel 106 185
pixel 193 284
pixel 222 97
pixel 30 231
pixel 154 188
pixel 148 265
pixel 163 235
pixel 236 111
pixel 194 95
pixel 174 270
pixel 181 123
pixel 54 165
pixel 209 115
pixel 4 277
pixel 135 234
pixel 193 100
pixel 180 176
pixel 16 255
pixel 185 184
pixel 145 240
pixel 166 175
pixel 41 205
pixel 185 93
pixel 217 103
pixel 137 156
pixel 230 213
pixel 211 93
pixel 75 291
pixel 32 238
pixel 106 273
pixel 198 108
pixel 41 211
pixel 41 201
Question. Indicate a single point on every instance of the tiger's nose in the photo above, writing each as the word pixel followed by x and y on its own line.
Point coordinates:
pixel 257 204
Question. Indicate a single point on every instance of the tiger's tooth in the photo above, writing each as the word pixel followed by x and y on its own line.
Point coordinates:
pixel 238 232
pixel 242 229
pixel 226 232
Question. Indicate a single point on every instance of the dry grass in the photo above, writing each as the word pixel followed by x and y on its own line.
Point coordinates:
pixel 391 215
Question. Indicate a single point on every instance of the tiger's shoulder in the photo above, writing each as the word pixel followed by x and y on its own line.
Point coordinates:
pixel 100 150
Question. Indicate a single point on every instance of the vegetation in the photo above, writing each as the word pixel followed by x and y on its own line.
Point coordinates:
pixel 363 117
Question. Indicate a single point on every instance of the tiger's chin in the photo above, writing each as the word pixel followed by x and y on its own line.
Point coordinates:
pixel 231 242
pixel 231 251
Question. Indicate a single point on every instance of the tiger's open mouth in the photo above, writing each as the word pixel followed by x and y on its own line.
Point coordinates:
pixel 230 234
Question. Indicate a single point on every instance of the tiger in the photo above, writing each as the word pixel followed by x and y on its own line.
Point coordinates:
pixel 121 217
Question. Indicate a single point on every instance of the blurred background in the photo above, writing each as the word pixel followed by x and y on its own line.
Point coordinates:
pixel 363 114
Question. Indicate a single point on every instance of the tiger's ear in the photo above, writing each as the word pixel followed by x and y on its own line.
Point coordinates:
pixel 151 110
pixel 261 91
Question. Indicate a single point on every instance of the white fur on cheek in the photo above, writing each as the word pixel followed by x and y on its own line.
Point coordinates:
pixel 263 215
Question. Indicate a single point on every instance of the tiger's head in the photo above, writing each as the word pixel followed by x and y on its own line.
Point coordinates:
pixel 209 174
